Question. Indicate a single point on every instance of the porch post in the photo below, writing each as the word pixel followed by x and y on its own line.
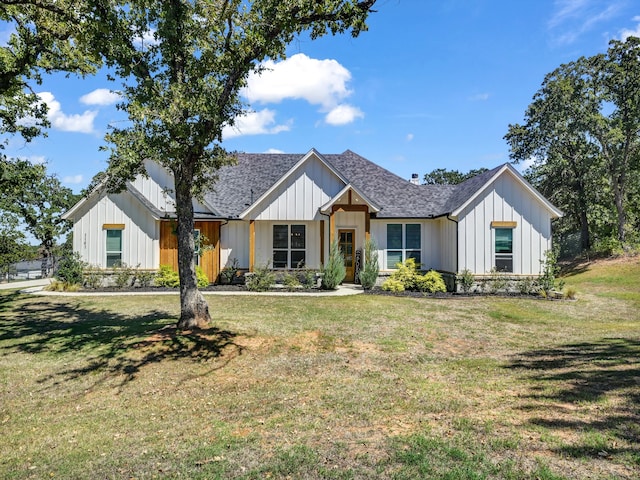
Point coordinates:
pixel 252 244
pixel 321 242
pixel 332 225
pixel 367 225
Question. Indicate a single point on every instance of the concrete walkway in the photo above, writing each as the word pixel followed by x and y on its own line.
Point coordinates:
pixel 26 284
pixel 341 291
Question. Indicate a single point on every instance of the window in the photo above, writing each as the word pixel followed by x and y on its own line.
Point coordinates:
pixel 403 241
pixel 504 249
pixel 289 246
pixel 196 249
pixel 114 247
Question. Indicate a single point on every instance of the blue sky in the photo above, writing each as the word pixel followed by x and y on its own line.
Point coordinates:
pixel 432 84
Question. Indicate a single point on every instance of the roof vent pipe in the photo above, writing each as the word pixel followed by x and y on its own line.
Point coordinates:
pixel 414 179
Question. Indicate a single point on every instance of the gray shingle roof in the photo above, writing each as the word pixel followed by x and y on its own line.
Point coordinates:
pixel 240 185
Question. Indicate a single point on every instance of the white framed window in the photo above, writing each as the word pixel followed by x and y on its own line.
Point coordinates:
pixel 289 246
pixel 503 249
pixel 113 247
pixel 404 240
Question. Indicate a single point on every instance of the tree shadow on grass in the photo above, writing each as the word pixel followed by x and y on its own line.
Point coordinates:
pixel 109 342
pixel 593 388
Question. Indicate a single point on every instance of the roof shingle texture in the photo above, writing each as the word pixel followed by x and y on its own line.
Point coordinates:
pixel 240 185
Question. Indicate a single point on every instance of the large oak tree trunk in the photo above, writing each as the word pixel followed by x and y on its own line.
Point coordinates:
pixel 194 310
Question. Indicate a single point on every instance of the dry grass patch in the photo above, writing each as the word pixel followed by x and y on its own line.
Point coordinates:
pixel 358 387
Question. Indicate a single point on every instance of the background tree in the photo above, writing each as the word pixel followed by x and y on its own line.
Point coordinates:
pixel 442 176
pixel 582 132
pixel 13 245
pixel 182 87
pixel 39 200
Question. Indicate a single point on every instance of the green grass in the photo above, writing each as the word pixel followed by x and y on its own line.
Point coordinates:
pixel 341 388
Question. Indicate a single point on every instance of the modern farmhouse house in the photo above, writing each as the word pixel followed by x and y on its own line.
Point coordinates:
pixel 286 209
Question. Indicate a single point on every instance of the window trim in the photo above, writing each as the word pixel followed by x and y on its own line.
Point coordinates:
pixel 405 252
pixel 503 256
pixel 290 249
pixel 112 252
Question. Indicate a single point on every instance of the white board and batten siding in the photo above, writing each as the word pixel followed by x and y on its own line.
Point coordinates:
pixel 234 243
pixel 504 200
pixel 300 195
pixel 140 236
pixel 437 239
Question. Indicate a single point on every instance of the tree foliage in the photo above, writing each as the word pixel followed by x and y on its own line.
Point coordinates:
pixel 183 65
pixel 442 176
pixel 582 132
pixel 38 200
pixel 13 245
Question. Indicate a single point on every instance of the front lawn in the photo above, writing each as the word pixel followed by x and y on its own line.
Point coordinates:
pixel 342 387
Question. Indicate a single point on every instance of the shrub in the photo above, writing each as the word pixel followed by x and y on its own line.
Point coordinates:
pixel 70 269
pixel 92 276
pixel 550 269
pixel 465 280
pixel 307 278
pixel 334 270
pixel 201 277
pixel 261 280
pixel 167 277
pixel 497 281
pixel 527 286
pixel 228 273
pixel 570 293
pixel 370 270
pixel 290 280
pixel 122 274
pixel 393 285
pixel 58 286
pixel 430 282
pixel 406 273
pixel 145 277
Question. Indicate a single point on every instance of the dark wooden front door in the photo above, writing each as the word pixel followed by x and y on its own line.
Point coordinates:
pixel 346 240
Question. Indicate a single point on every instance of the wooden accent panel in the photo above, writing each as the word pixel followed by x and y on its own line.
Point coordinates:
pixel 497 224
pixel 350 208
pixel 210 259
pixel 332 228
pixel 113 226
pixel 367 227
pixel 252 244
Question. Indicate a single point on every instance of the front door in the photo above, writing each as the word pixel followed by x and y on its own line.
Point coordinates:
pixel 346 240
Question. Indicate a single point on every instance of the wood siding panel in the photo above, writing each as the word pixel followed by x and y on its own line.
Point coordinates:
pixel 209 261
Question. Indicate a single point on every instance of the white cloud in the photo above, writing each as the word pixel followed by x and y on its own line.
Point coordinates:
pixel 274 150
pixel 573 18
pixel 626 33
pixel 35 159
pixel 319 82
pixel 100 96
pixel 343 114
pixel 82 123
pixel 480 97
pixel 73 179
pixel 254 123
pixel 409 137
pixel 147 39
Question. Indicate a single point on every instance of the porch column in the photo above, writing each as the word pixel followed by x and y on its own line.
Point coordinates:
pixel 252 244
pixel 367 226
pixel 332 226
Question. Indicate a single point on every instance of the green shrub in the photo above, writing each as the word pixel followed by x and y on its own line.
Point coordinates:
pixel 167 277
pixel 261 280
pixel 307 278
pixel 201 277
pixel 527 286
pixel 122 275
pixel 570 293
pixel 145 277
pixel 406 273
pixel 290 280
pixel 228 273
pixel 334 270
pixel 497 281
pixel 430 282
pixel 58 286
pixel 607 247
pixel 70 269
pixel 393 285
pixel 370 270
pixel 92 276
pixel 465 280
pixel 550 269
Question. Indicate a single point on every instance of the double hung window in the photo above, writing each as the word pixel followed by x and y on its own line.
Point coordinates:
pixel 403 241
pixel 114 248
pixel 289 246
pixel 504 249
